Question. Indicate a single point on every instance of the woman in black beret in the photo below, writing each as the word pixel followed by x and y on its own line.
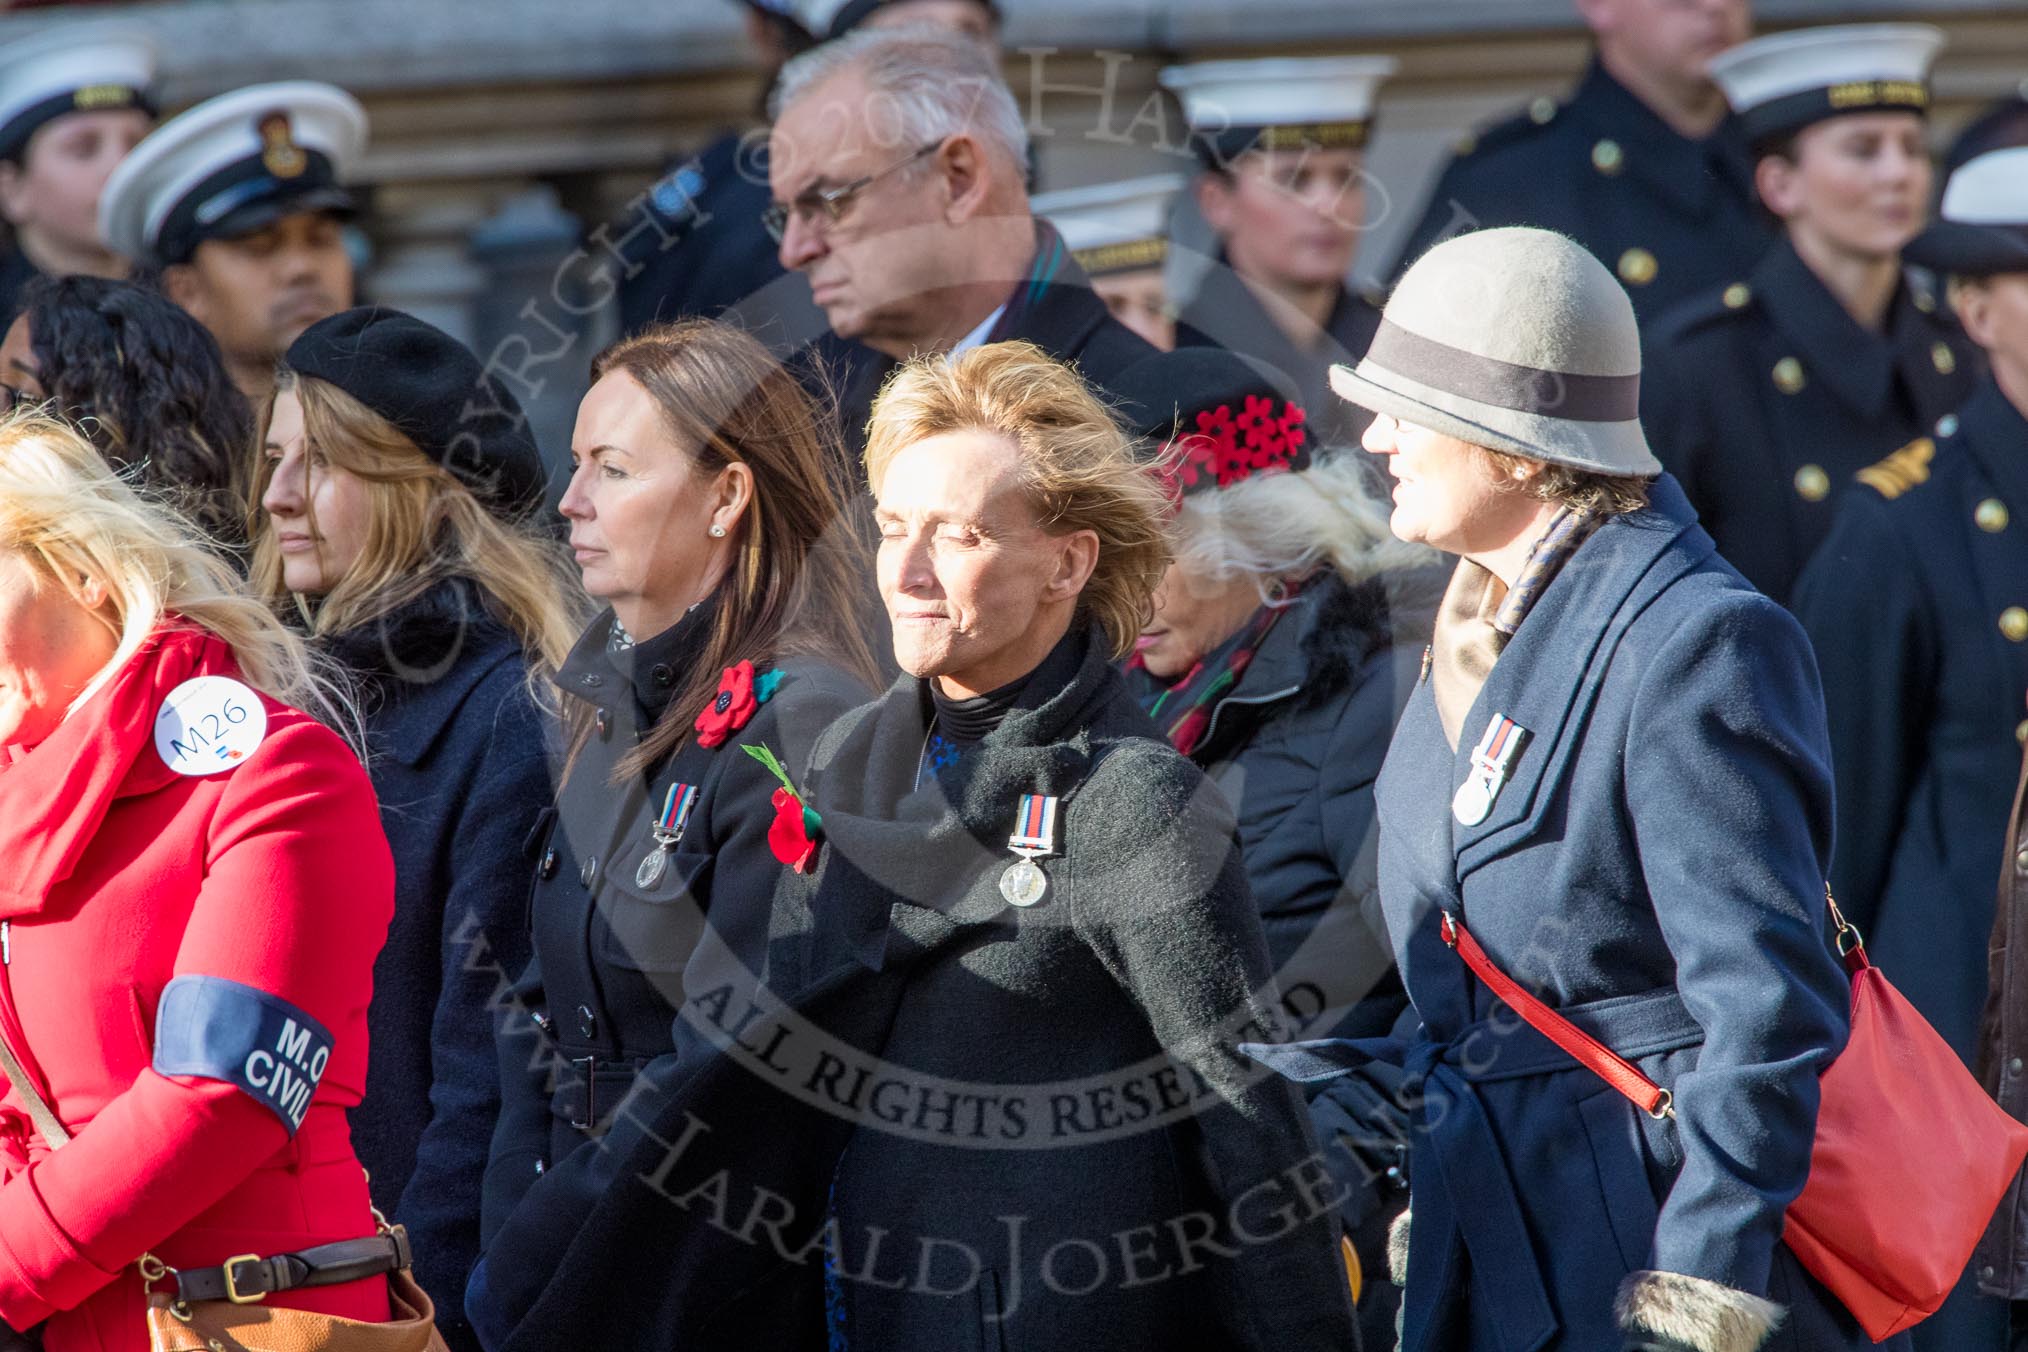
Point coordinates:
pixel 1285 639
pixel 706 510
pixel 396 488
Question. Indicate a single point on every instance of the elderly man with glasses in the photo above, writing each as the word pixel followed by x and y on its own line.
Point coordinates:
pixel 898 168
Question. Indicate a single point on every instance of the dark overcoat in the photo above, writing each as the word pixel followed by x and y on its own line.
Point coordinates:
pixel 458 754
pixel 595 1013
pixel 1918 607
pixel 1671 216
pixel 1654 870
pixel 2001 1263
pixel 1765 397
pixel 970 1110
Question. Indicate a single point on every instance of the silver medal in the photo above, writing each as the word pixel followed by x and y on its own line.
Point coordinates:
pixel 1473 801
pixel 652 866
pixel 1023 884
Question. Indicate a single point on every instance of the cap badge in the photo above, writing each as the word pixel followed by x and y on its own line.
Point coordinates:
pixel 280 155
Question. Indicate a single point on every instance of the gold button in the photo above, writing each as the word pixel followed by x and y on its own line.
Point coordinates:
pixel 1466 144
pixel 1946 360
pixel 1991 516
pixel 1788 376
pixel 1638 267
pixel 1737 295
pixel 1607 157
pixel 1925 302
pixel 2021 736
pixel 2014 624
pixel 1812 483
pixel 1542 110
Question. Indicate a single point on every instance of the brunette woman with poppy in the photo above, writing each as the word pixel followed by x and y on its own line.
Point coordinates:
pixel 706 511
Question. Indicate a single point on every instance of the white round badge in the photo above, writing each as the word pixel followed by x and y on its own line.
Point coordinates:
pixel 209 724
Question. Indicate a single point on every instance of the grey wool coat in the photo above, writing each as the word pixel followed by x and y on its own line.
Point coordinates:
pixel 1114 1173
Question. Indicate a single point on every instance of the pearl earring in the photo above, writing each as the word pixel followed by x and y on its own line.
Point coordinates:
pixel 717 531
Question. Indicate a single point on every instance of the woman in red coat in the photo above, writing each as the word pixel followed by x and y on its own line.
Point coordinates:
pixel 193 887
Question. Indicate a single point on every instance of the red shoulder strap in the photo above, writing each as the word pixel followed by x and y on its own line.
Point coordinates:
pixel 1585 1049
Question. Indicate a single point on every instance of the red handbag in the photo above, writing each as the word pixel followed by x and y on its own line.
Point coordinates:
pixel 1911 1156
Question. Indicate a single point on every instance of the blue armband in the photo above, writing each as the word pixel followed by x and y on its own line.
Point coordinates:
pixel 215 1029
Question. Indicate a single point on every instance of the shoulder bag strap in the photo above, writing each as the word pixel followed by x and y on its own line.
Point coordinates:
pixel 1587 1050
pixel 53 1131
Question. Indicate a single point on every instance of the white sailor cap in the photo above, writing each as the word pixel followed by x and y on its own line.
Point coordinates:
pixel 232 165
pixel 1279 103
pixel 1783 83
pixel 70 70
pixel 1114 227
pixel 1982 224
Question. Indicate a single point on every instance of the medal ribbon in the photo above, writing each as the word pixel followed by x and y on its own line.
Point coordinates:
pixel 1035 824
pixel 676 811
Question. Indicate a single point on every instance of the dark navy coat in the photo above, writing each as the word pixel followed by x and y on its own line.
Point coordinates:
pixel 458 755
pixel 1671 216
pixel 711 204
pixel 594 1017
pixel 1227 313
pixel 1765 397
pixel 1653 869
pixel 1918 607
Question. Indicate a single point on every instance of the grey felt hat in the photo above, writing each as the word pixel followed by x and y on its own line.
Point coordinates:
pixel 1515 339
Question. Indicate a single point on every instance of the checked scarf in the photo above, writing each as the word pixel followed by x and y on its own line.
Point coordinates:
pixel 1184 710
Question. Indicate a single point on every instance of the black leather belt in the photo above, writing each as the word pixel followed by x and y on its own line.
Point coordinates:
pixel 246 1278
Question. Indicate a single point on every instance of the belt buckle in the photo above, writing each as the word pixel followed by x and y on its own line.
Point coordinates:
pixel 587 1064
pixel 232 1291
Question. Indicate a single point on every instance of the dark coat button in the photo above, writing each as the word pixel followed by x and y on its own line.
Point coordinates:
pixel 548 869
pixel 664 674
pixel 587 1022
pixel 588 872
pixel 594 680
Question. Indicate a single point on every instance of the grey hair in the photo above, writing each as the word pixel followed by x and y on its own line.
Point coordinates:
pixel 1279 526
pixel 924 84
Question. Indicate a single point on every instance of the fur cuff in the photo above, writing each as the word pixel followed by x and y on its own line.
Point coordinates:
pixel 1397 1249
pixel 1699 1314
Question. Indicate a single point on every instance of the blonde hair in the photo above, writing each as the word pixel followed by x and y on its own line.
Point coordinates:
pixel 1277 527
pixel 1078 468
pixel 78 522
pixel 423 527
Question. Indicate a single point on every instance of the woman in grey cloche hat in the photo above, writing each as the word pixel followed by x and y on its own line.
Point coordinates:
pixel 1614 777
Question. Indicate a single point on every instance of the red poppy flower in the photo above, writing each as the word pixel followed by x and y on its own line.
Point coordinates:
pixel 790 837
pixel 731 709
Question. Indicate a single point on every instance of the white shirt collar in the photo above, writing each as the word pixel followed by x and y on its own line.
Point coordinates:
pixel 978 335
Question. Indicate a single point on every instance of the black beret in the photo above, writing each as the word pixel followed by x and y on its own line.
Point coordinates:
pixel 855 12
pixel 434 391
pixel 1235 416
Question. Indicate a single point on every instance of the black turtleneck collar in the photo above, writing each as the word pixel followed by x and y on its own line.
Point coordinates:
pixel 652 669
pixel 967 722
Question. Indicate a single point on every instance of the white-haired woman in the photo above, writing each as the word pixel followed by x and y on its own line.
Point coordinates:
pixel 196 887
pixel 1285 640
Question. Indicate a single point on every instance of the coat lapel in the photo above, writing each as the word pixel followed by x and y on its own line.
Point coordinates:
pixel 1547 678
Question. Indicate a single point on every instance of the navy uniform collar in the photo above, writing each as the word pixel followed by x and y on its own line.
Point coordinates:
pixel 1856 365
pixel 1675 166
pixel 1996 434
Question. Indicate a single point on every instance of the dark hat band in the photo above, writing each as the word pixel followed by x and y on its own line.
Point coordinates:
pixel 99 98
pixel 208 210
pixel 1130 256
pixel 1227 145
pixel 1504 384
pixel 1793 112
pixel 1960 249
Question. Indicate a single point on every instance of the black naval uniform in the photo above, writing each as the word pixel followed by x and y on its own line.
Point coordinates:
pixel 614 947
pixel 1766 397
pixel 1226 312
pixel 1918 607
pixel 16 272
pixel 1671 216
pixel 1053 307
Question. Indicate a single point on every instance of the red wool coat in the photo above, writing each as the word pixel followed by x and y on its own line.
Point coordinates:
pixel 117 875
